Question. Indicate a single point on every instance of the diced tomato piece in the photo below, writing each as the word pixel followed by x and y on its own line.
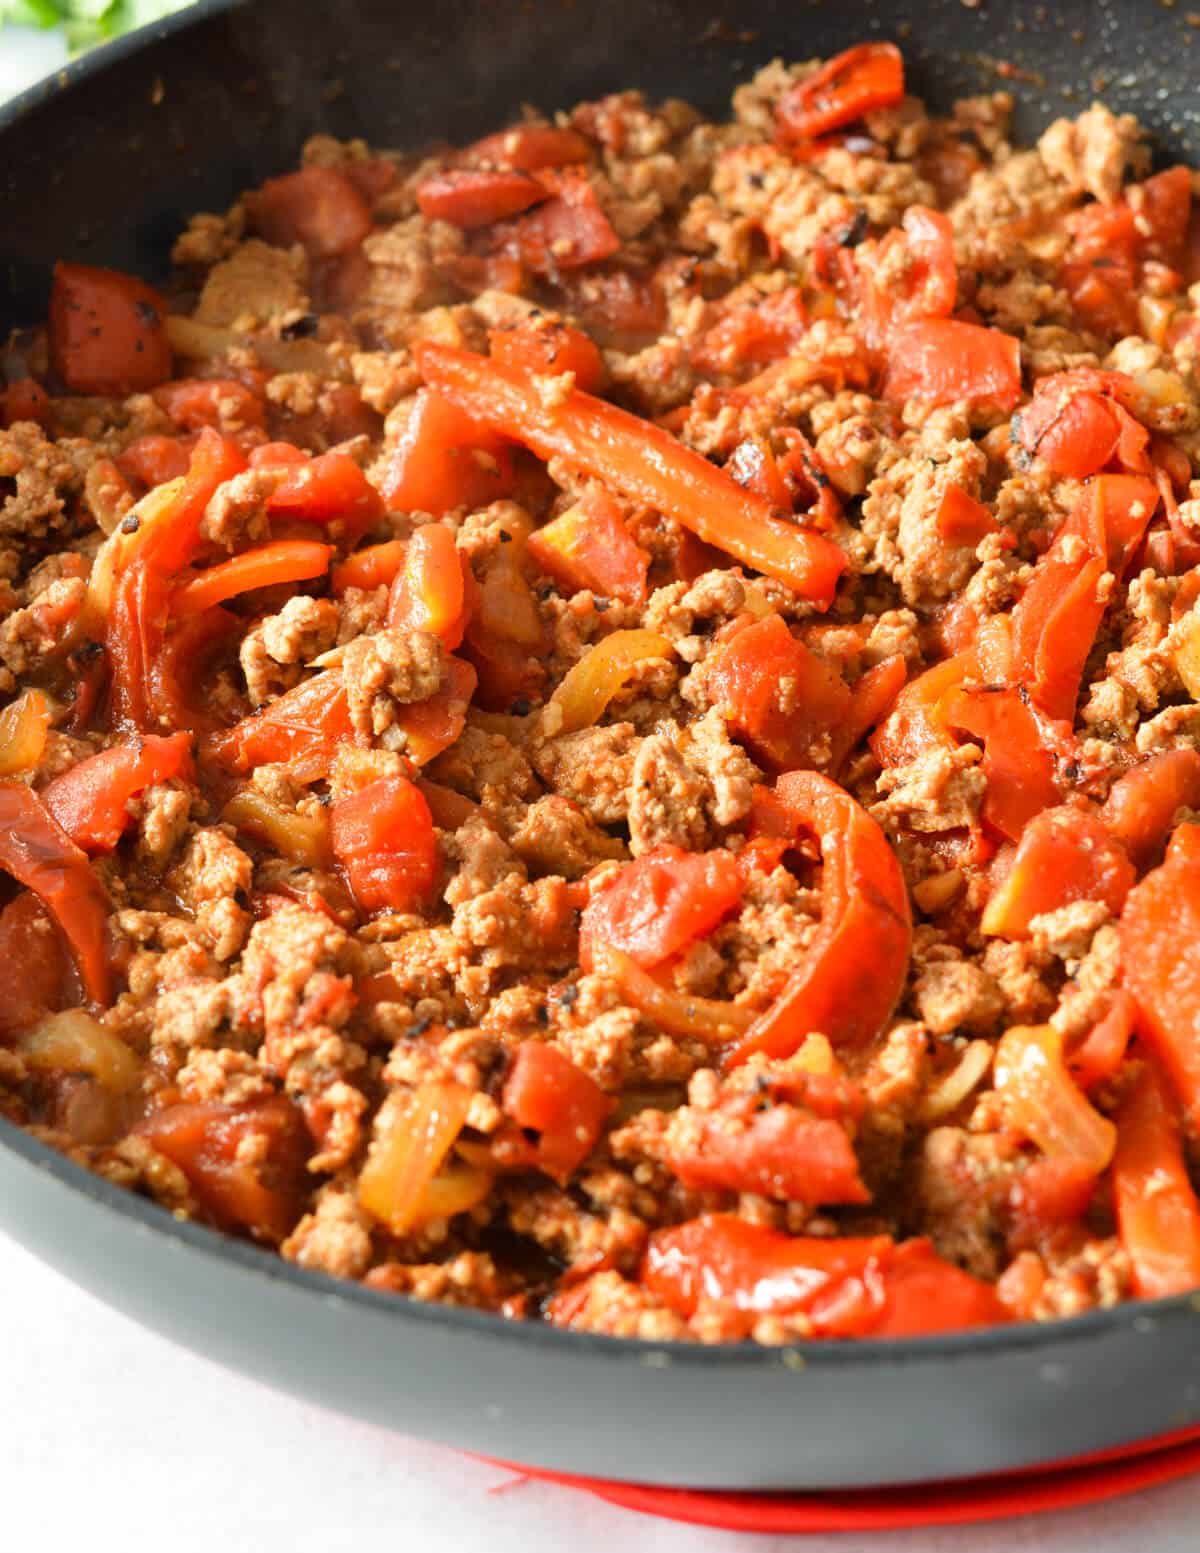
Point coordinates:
pixel 910 275
pixel 444 459
pixel 1018 758
pixel 106 331
pixel 326 489
pixel 1103 252
pixel 1141 807
pixel 723 1260
pixel 35 973
pixel 193 402
pixel 432 726
pixel 470 198
pixel 277 455
pixel 855 82
pixel 245 1164
pixel 781 1152
pixel 961 520
pixel 544 345
pixel 920 1294
pixel 318 207
pixel 1056 619
pixel 754 334
pixel 23 400
pixel 383 837
pixel 942 360
pixel 1099 1056
pixel 566 232
pixel 589 546
pixel 1064 854
pixel 660 903
pixel 91 800
pixel 547 1093
pixel 530 147
pixel 305 724
pixel 153 460
pixel 782 699
pixel 917 722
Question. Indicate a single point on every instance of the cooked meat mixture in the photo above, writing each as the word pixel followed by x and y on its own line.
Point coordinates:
pixel 601 725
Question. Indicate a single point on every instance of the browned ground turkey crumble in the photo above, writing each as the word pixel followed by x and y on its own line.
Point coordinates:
pixel 226 1005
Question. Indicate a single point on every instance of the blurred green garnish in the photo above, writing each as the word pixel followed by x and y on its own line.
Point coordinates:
pixel 86 22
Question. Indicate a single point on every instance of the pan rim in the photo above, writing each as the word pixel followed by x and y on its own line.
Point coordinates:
pixel 254 1261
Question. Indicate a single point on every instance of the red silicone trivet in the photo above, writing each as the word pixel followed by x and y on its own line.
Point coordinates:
pixel 1059 1486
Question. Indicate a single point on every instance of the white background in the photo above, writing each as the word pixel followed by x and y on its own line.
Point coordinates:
pixel 115 1441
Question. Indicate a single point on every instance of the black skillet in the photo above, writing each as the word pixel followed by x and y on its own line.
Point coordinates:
pixel 103 164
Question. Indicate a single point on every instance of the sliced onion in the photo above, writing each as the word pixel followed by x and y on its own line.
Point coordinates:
pixel 591 683
pixel 1043 1101
pixel 966 1075
pixel 677 1012
pixel 304 838
pixel 23 725
pixel 74 1042
pixel 414 1132
pixel 206 342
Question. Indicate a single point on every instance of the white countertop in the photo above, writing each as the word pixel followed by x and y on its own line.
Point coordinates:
pixel 112 1439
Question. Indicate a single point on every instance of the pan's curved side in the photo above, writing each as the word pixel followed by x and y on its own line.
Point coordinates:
pixel 831 1416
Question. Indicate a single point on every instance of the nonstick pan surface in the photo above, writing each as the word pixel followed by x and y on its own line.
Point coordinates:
pixel 104 164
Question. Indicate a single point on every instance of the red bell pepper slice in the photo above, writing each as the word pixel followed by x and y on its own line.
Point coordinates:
pixel 864 912
pixel 476 197
pixel 141 604
pixel 39 854
pixel 285 560
pixel 855 82
pixel 641 461
pixel 1160 923
pixel 1158 1215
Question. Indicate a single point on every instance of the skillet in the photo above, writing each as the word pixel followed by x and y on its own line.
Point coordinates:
pixel 103 164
